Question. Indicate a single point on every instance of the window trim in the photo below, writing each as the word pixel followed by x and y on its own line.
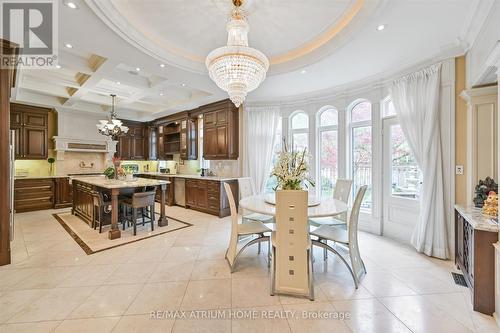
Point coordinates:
pixel 293 131
pixel 319 130
pixel 350 127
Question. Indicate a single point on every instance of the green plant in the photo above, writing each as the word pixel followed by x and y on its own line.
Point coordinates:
pixel 110 173
pixel 482 190
pixel 292 170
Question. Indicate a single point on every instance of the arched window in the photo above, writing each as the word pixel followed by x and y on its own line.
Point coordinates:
pixel 328 149
pixel 299 131
pixel 360 127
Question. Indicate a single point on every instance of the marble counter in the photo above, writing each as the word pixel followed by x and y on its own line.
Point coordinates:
pixel 477 219
pixel 178 175
pixel 114 184
pixel 40 177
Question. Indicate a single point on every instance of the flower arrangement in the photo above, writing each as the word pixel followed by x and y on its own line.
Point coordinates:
pixel 292 170
pixel 483 188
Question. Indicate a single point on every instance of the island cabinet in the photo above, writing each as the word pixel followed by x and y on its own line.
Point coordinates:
pixel 169 200
pixel 33 194
pixel 475 255
pixel 208 196
pixel 220 131
pixel 30 126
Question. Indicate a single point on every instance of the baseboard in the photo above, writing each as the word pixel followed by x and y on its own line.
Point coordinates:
pixel 497 318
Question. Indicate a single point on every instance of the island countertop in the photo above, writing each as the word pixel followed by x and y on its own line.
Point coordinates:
pixel 187 176
pixel 118 184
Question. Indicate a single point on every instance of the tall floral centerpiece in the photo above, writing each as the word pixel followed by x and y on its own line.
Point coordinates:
pixel 292 170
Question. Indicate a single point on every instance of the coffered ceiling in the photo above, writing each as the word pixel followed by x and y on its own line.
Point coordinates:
pixel 313 45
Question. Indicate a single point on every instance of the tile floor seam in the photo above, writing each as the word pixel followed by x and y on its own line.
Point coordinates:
pixel 395 316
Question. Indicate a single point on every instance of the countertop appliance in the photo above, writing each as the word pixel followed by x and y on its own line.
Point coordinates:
pixel 12 157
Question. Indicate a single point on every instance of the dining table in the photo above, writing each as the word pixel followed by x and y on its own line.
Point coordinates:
pixel 317 206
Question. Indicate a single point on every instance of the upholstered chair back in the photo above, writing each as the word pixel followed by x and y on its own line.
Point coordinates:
pixel 292 243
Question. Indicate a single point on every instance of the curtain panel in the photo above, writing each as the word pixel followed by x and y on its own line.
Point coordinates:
pixel 416 101
pixel 261 125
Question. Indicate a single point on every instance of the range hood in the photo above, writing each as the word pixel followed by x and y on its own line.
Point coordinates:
pixel 84 145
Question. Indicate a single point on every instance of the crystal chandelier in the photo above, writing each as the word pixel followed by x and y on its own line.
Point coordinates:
pixel 237 68
pixel 112 127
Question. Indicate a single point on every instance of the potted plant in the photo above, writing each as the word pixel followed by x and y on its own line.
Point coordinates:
pixel 292 170
pixel 482 190
pixel 110 172
pixel 51 161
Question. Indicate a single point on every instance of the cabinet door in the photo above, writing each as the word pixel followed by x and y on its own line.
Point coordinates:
pixel 138 147
pixel 201 197
pixel 124 147
pixel 35 119
pixel 222 117
pixel 190 193
pixel 63 192
pixel 210 143
pixel 34 143
pixel 222 144
pixel 151 141
pixel 210 119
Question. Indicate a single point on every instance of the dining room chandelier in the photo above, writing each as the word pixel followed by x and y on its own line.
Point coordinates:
pixel 236 67
pixel 112 127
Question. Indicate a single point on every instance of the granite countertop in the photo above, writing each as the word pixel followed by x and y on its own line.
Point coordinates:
pixel 179 175
pixel 477 219
pixel 40 177
pixel 113 183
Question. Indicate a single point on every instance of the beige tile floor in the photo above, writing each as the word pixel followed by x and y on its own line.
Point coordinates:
pixel 52 286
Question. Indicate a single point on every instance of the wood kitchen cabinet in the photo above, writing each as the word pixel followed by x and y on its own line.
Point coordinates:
pixel 208 196
pixel 189 139
pixel 33 194
pixel 220 131
pixel 30 125
pixel 132 146
pixel 63 193
pixel 475 257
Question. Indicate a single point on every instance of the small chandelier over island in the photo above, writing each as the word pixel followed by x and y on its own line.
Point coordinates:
pixel 112 127
pixel 237 68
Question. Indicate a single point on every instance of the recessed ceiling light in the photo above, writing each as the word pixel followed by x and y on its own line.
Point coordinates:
pixel 71 5
pixel 58 66
pixel 68 45
pixel 162 65
pixel 381 27
pixel 137 69
pixel 183 84
pixel 161 94
pixel 303 71
pixel 118 82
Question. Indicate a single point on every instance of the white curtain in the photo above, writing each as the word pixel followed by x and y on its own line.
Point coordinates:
pixel 261 124
pixel 416 101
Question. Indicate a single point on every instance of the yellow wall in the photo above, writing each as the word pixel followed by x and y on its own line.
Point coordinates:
pixel 460 132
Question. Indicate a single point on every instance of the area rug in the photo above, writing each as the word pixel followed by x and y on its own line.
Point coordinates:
pixel 91 241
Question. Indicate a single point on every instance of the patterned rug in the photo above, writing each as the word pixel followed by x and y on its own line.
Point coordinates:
pixel 91 241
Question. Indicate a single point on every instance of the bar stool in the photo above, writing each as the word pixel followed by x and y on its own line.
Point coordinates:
pixel 139 201
pixel 99 203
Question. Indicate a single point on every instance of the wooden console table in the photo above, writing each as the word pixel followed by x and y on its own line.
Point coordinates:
pixel 475 255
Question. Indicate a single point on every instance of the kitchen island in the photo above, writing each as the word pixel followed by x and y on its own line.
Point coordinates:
pixel 83 202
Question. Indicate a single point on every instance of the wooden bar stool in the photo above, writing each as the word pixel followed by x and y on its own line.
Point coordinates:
pixel 139 202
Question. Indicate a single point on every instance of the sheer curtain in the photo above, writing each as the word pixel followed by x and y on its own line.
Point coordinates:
pixel 416 101
pixel 260 134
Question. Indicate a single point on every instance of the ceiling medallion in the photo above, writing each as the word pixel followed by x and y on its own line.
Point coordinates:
pixel 112 127
pixel 237 68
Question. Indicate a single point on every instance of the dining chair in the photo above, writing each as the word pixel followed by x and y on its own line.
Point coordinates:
pixel 246 189
pixel 347 237
pixel 291 251
pixel 252 228
pixel 341 192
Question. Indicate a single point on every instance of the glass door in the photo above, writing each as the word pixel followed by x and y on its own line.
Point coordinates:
pixel 402 183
